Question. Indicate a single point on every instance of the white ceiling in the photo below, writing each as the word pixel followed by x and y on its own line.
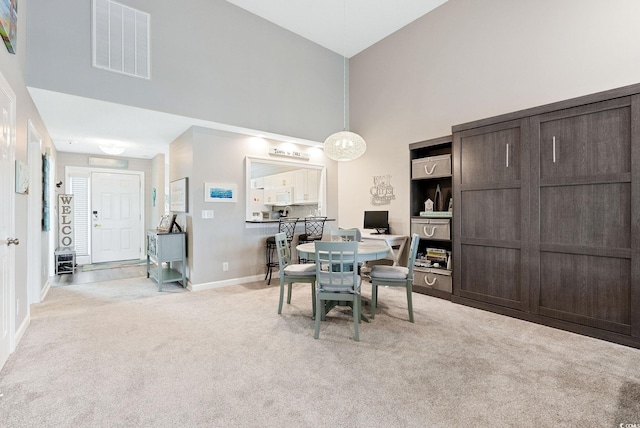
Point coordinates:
pixel 80 125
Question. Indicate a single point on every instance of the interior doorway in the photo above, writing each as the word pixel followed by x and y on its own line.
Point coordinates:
pixel 108 213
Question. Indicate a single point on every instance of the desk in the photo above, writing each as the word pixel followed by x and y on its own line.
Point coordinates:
pixel 366 251
pixel 390 240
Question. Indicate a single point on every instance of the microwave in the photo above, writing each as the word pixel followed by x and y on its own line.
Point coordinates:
pixel 278 196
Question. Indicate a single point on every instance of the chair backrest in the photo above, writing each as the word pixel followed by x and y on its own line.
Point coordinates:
pixel 346 235
pixel 413 252
pixel 339 257
pixel 314 227
pixel 288 226
pixel 284 251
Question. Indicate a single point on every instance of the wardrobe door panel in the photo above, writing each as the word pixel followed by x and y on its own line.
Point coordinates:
pixel 491 275
pixel 588 290
pixel 491 169
pixel 492 214
pixel 583 142
pixel 491 156
pixel 595 215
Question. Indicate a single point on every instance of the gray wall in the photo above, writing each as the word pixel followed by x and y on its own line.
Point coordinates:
pixel 209 60
pixel 205 156
pixel 470 60
pixel 12 67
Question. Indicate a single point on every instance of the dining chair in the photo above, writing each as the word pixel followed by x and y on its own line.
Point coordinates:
pixel 290 273
pixel 313 231
pixel 395 276
pixel 286 225
pixel 352 234
pixel 339 284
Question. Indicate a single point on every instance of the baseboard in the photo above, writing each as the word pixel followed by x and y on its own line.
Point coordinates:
pixel 225 283
pixel 45 290
pixel 22 330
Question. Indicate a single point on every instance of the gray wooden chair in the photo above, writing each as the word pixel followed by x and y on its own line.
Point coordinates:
pixel 290 273
pixel 352 234
pixel 395 276
pixel 338 284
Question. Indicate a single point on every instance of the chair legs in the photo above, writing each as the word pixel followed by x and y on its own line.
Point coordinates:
pixel 356 306
pixel 374 300
pixel 289 292
pixel 409 302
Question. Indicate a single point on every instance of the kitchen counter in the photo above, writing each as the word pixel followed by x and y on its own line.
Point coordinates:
pixel 300 220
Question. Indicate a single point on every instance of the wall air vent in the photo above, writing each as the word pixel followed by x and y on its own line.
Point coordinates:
pixel 120 39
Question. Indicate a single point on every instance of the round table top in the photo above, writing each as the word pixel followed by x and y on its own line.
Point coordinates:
pixel 366 250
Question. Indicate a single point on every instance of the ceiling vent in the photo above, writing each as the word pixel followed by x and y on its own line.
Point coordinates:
pixel 121 39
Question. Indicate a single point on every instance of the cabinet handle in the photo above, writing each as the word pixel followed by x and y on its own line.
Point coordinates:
pixel 432 169
pixel 507 155
pixel 426 280
pixel 554 149
pixel 433 230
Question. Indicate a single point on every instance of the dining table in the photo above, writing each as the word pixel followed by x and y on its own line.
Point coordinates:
pixel 367 251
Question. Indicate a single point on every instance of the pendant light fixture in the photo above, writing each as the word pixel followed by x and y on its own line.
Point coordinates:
pixel 344 145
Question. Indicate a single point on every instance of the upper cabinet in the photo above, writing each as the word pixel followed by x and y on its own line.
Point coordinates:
pixel 305 186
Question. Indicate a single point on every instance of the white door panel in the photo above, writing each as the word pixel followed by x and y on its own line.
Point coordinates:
pixel 7 267
pixel 116 217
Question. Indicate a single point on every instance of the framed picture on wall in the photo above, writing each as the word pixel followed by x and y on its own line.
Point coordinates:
pixel 8 23
pixel 220 192
pixel 178 195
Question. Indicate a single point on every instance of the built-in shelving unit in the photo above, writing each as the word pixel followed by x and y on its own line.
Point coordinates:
pixel 431 180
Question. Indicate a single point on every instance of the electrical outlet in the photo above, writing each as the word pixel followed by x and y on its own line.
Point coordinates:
pixel 225 266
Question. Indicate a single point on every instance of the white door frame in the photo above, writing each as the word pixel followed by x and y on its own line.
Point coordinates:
pixel 34 217
pixel 71 170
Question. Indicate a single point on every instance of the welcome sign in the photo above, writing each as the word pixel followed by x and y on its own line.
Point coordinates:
pixel 65 221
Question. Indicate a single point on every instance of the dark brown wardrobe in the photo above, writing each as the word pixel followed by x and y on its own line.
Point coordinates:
pixel 547 220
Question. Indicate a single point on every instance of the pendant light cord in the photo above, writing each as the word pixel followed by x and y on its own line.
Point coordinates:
pixel 344 64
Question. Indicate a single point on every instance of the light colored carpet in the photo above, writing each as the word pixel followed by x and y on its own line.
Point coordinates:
pixel 120 354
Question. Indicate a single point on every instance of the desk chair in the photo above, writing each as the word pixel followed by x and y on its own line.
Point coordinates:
pixel 337 285
pixel 395 276
pixel 313 230
pixel 290 273
pixel 286 225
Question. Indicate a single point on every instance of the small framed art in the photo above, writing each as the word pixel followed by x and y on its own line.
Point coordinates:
pixel 220 192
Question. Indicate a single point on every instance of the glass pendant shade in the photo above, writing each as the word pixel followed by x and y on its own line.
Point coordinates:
pixel 344 146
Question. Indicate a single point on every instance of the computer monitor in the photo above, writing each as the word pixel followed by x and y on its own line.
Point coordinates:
pixel 378 220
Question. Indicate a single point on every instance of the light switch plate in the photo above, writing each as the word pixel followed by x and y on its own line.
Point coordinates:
pixel 207 213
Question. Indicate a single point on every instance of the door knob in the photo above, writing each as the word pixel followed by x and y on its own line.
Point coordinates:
pixel 14 241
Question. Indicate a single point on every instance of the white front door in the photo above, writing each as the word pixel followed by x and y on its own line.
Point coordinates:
pixel 7 253
pixel 115 217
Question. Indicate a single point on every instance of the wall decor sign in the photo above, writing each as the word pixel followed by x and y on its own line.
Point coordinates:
pixel 22 178
pixel 382 190
pixel 220 192
pixel 65 221
pixel 45 192
pixel 289 153
pixel 178 195
pixel 8 22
